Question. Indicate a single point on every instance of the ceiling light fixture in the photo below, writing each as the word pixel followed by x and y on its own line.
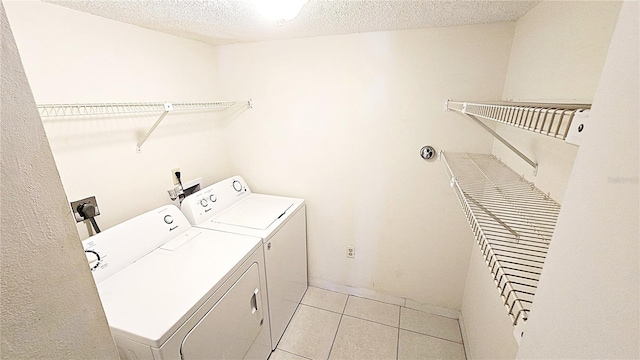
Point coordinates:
pixel 280 10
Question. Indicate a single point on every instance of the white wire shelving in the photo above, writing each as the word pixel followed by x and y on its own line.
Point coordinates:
pixel 554 120
pixel 512 222
pixel 97 109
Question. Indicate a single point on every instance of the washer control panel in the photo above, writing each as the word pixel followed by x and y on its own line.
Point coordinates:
pixel 214 199
pixel 119 246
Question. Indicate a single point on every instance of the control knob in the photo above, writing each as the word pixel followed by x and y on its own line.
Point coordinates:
pixel 237 186
pixel 204 202
pixel 93 258
pixel 213 197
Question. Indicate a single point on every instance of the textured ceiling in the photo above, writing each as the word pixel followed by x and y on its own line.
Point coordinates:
pixel 219 22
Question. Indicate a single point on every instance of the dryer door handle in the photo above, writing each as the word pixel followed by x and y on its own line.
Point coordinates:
pixel 254 301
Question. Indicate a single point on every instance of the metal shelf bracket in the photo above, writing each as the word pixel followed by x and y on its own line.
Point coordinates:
pixel 167 107
pixel 495 135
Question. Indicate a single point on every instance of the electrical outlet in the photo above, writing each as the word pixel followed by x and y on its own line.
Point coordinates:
pixel 75 204
pixel 351 251
pixel 173 176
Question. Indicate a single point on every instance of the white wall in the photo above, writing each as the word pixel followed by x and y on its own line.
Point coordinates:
pixel 559 49
pixel 92 59
pixel 340 121
pixel 50 306
pixel 487 325
pixel 542 67
pixel 587 304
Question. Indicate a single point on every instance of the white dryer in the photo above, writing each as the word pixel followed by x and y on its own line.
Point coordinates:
pixel 230 206
pixel 172 291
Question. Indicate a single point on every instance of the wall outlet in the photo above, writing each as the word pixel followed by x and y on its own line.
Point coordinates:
pixel 76 204
pixel 351 251
pixel 174 177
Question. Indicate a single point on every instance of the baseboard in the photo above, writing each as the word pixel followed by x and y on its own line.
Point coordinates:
pixel 364 293
pixel 391 299
pixel 465 338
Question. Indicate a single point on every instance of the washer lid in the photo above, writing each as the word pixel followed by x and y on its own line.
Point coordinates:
pixel 255 212
pixel 151 298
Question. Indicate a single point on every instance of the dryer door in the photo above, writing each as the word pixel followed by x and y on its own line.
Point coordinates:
pixel 230 328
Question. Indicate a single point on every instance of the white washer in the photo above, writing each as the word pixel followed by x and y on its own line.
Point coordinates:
pixel 172 291
pixel 230 206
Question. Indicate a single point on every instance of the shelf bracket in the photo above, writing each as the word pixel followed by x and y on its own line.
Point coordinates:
pixel 506 143
pixel 167 107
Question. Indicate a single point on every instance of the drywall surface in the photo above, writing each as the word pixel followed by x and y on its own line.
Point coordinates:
pixel 340 122
pixel 50 306
pixel 545 43
pixel 558 51
pixel 73 57
pixel 488 327
pixel 559 48
pixel 587 304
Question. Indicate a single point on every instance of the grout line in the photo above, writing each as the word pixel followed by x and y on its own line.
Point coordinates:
pixel 432 313
pixel 398 345
pixel 398 341
pixel 360 292
pixel 335 336
pixel 433 336
pixel 380 301
pixel 289 352
pixel 345 304
pixel 371 321
pixel 319 308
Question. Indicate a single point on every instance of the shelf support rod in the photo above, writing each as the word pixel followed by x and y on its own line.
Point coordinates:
pixel 167 107
pixel 506 143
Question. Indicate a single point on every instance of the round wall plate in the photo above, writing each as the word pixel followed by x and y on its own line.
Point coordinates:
pixel 427 152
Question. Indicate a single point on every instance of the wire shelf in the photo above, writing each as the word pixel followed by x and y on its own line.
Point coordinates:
pixel 512 221
pixel 66 110
pixel 53 110
pixel 548 119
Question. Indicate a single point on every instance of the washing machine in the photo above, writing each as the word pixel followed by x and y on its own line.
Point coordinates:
pixel 172 291
pixel 229 206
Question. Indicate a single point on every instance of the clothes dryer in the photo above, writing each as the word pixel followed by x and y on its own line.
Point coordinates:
pixel 230 206
pixel 172 291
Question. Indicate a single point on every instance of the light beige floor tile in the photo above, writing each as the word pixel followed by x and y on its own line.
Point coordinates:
pixel 361 339
pixel 283 355
pixel 429 324
pixel 373 310
pixel 310 333
pixel 325 299
pixel 417 346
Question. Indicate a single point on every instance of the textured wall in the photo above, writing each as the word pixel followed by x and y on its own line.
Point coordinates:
pixel 50 307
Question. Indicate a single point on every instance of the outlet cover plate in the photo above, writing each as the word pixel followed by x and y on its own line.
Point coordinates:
pixel 75 204
pixel 351 251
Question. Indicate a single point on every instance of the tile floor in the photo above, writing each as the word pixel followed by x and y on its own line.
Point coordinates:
pixel 331 325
